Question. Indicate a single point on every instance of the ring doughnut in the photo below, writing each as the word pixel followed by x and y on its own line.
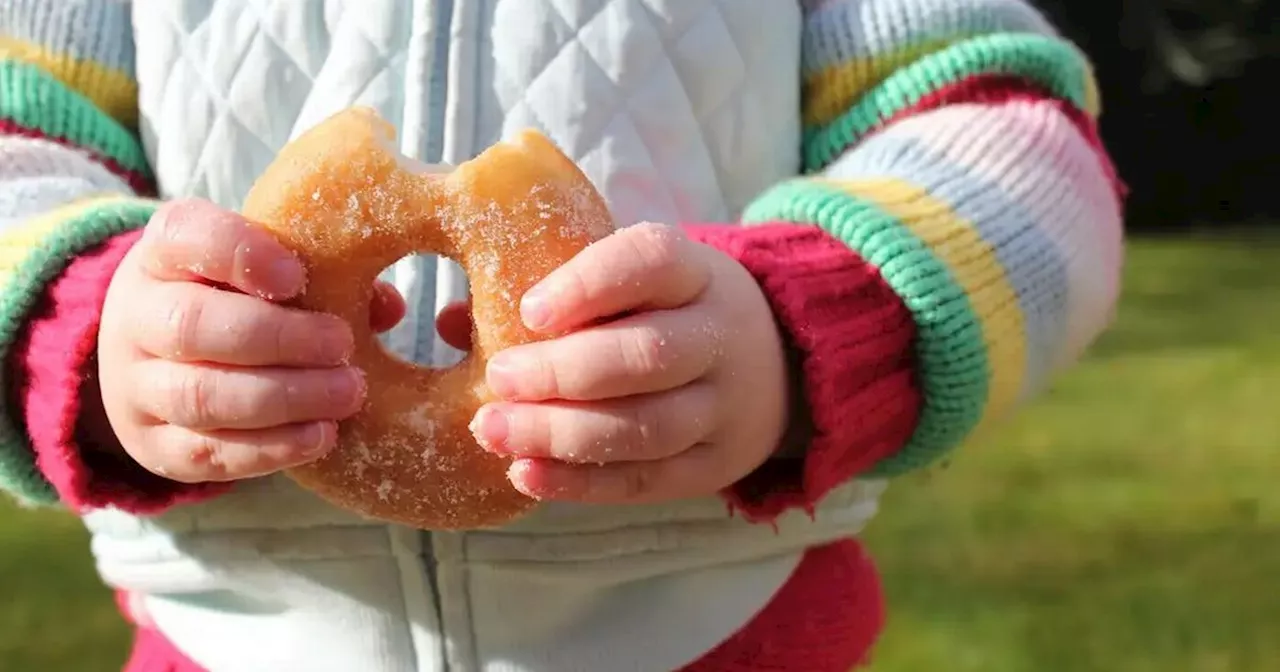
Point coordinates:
pixel 349 205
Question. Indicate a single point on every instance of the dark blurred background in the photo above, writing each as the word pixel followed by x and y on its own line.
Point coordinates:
pixel 1190 111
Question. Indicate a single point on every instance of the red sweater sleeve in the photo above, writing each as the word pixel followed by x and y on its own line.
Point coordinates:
pixel 850 337
pixel 56 367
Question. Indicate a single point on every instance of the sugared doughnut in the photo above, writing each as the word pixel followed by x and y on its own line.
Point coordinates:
pixel 350 205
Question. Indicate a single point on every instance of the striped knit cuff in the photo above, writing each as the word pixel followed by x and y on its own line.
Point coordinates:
pixel 952 357
pixel 32 257
pixel 1048 62
pixel 35 104
pixel 854 398
pixel 73 444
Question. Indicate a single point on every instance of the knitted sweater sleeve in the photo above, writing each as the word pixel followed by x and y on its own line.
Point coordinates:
pixel 74 186
pixel 957 221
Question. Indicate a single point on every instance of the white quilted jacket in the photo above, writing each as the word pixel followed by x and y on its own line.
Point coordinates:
pixel 688 118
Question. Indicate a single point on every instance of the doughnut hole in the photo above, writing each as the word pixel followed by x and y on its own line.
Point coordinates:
pixel 449 323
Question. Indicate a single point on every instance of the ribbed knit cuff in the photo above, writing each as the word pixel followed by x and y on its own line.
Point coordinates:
pixel 953 360
pixel 34 255
pixel 851 339
pixel 57 369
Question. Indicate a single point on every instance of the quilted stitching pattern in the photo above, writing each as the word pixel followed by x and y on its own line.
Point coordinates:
pixel 691 118
pixel 664 135
pixel 308 59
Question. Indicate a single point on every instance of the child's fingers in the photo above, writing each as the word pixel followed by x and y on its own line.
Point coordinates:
pixel 205 397
pixel 197 239
pixel 191 456
pixel 691 473
pixel 186 321
pixel 649 352
pixel 646 266
pixel 454 325
pixel 387 307
pixel 648 427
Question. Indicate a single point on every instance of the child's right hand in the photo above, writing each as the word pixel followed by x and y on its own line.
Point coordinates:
pixel 203 376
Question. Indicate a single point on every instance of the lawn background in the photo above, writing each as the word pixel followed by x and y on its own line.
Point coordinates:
pixel 1127 521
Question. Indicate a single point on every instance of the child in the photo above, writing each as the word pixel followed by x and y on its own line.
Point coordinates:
pixel 933 232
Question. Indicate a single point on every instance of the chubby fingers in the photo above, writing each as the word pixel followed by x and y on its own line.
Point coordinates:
pixel 194 456
pixel 454 324
pixel 387 307
pixel 194 239
pixel 648 266
pixel 198 323
pixel 646 427
pixel 644 353
pixel 687 474
pixel 203 397
pixel 633 450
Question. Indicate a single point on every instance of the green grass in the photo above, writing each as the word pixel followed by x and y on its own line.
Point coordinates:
pixel 54 613
pixel 1128 521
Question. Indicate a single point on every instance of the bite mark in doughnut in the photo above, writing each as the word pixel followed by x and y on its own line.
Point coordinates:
pixel 350 205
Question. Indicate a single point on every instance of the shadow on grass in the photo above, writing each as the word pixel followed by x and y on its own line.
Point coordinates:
pixel 1229 283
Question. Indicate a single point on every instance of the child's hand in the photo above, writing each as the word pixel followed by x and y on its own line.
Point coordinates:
pixel 203 378
pixel 680 393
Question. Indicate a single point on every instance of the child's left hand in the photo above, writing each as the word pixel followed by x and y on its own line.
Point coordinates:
pixel 670 383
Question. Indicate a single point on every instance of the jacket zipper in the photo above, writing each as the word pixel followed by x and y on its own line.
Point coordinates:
pixel 433 150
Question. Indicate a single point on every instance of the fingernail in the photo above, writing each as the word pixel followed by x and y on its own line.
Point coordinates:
pixel 500 375
pixel 491 427
pixel 316 438
pixel 535 309
pixel 518 476
pixel 523 474
pixel 285 278
pixel 346 388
